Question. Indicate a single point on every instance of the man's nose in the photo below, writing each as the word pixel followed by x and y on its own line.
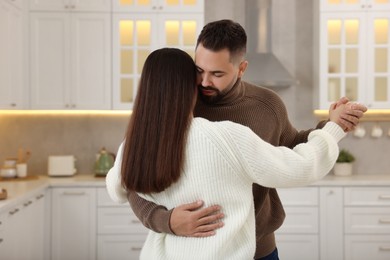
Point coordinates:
pixel 206 81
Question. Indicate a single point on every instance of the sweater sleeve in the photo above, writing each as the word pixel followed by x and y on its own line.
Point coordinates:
pixel 153 216
pixel 278 167
pixel 113 179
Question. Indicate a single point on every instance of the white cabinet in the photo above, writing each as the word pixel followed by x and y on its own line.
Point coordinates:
pixel 353 47
pixel 120 234
pixel 367 223
pixel 23 225
pixel 11 57
pixel 73 229
pixel 179 6
pixel 139 29
pixel 70 65
pixel 71 5
pixel 298 237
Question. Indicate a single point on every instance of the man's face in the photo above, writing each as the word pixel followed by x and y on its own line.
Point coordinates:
pixel 217 72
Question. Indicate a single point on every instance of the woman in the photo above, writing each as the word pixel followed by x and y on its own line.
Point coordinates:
pixel 171 158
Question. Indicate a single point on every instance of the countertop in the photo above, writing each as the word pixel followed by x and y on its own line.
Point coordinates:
pixel 20 190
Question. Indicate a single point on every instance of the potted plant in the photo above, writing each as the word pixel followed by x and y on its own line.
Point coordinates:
pixel 343 166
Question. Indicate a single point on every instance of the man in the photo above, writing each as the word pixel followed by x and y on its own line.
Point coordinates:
pixel 220 61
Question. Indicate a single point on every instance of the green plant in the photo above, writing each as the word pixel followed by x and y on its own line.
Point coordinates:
pixel 345 157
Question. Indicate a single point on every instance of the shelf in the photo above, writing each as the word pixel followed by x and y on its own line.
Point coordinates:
pixel 372 115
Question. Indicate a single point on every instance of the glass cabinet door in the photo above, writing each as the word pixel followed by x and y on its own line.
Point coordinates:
pixel 378 78
pixel 135 37
pixel 343 57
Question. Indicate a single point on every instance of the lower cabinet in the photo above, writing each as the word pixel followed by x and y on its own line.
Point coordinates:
pixel 73 229
pixel 22 229
pixel 298 237
pixel 120 233
pixel 367 223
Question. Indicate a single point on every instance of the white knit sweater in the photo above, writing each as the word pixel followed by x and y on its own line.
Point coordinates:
pixel 223 159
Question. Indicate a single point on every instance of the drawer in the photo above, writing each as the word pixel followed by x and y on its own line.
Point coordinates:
pixel 367 247
pixel 105 201
pixel 307 196
pixel 119 247
pixel 119 220
pixel 367 220
pixel 367 196
pixel 297 247
pixel 300 220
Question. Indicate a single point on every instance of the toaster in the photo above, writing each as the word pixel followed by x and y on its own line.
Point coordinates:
pixel 61 165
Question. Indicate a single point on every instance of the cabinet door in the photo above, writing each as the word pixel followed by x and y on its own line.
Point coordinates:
pixel 160 6
pixel 354 5
pixel 297 247
pixel 70 5
pixel 134 38
pixel 343 55
pixel 120 247
pixel 378 60
pixel 73 223
pixel 91 61
pixel 331 223
pixel 50 61
pixel 11 57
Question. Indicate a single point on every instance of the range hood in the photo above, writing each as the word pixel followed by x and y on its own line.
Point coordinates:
pixel 264 68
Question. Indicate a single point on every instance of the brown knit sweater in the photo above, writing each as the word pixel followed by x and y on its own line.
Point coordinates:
pixel 264 112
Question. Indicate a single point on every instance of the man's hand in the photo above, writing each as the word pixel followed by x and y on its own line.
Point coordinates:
pixel 348 117
pixel 191 221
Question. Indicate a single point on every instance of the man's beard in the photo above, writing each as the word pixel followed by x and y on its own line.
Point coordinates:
pixel 210 99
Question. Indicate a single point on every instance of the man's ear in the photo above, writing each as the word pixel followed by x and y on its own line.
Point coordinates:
pixel 242 67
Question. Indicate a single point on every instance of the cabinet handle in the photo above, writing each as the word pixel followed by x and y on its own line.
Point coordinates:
pixel 12 212
pixel 154 7
pixel 66 6
pixel 27 203
pixel 68 193
pixel 13 104
pixel 136 248
pixel 160 7
pixel 135 221
pixel 384 197
pixel 1 240
pixel 384 221
pixel 73 105
pixel 40 196
pixel 384 248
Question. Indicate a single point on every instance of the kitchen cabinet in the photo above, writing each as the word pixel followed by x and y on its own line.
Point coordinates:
pixel 120 234
pixel 12 87
pixel 73 228
pixel 71 5
pixel 70 64
pixel 179 6
pixel 139 29
pixel 23 225
pixel 353 51
pixel 367 223
pixel 298 237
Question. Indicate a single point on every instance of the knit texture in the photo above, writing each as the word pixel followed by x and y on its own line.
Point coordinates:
pixel 265 114
pixel 223 159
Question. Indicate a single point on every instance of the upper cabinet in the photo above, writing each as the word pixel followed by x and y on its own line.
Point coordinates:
pixel 70 64
pixel 353 47
pixel 11 56
pixel 71 5
pixel 177 6
pixel 140 29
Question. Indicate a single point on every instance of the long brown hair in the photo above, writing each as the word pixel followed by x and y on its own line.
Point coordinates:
pixel 153 154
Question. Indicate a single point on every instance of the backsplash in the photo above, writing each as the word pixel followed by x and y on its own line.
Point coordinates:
pixel 80 135
pixel 83 136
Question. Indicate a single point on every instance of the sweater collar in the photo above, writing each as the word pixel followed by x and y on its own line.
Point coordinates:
pixel 233 95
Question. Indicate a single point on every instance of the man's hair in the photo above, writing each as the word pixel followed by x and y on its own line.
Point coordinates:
pixel 153 155
pixel 224 34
